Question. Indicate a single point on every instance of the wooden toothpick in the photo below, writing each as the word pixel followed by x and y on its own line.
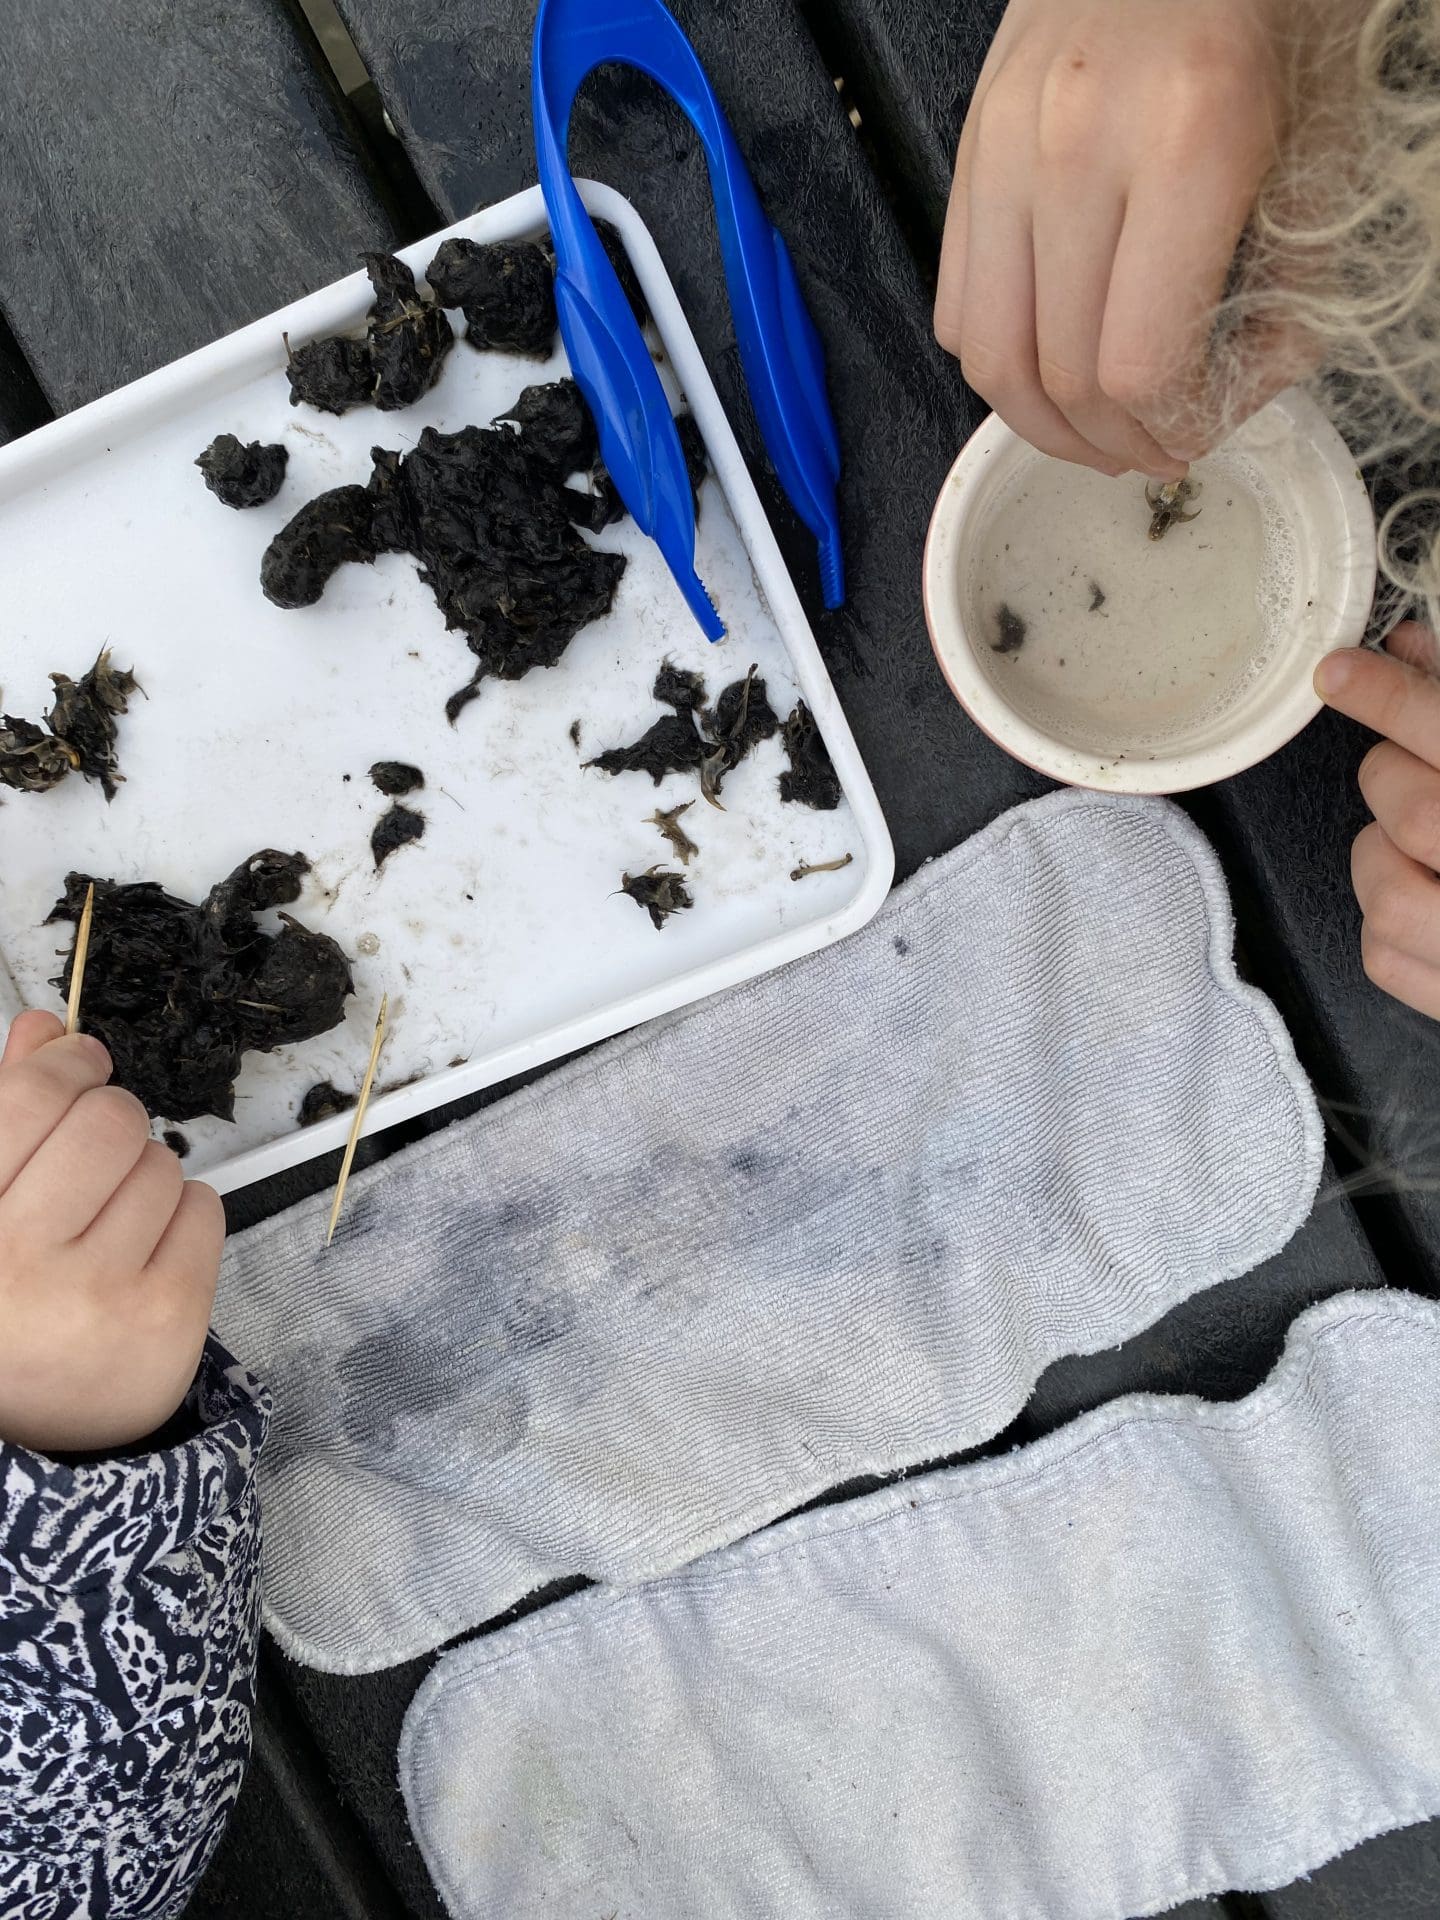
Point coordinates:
pixel 77 965
pixel 357 1122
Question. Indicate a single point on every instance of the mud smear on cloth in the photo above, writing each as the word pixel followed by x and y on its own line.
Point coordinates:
pixel 179 993
pixel 81 737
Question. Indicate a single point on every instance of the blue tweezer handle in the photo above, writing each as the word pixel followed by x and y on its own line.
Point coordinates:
pixel 779 346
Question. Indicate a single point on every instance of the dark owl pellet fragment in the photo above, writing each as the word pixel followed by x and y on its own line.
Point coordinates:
pixel 333 374
pixel 396 777
pixel 739 720
pixel 462 697
pixel 395 829
pixel 32 760
pixel 678 687
pixel 697 460
pixel 558 434
pixel 242 475
pixel 555 425
pixel 624 271
pixel 406 341
pixel 659 891
pixel 176 1142
pixel 1010 631
pixel 811 780
pixel 83 715
pixel 506 291
pixel 408 338
pixel 178 992
pixel 326 532
pixel 672 745
pixel 495 546
pixel 597 505
pixel 322 1102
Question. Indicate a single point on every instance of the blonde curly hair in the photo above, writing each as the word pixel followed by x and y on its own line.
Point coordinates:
pixel 1342 261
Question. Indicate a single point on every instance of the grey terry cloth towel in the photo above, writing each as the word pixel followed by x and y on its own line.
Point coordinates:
pixel 1173 1648
pixel 833 1223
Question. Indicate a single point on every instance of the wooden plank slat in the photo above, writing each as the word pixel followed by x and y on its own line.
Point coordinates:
pixel 172 169
pixel 22 404
pixel 910 75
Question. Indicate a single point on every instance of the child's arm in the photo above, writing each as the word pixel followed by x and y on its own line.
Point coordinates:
pixel 129 1592
pixel 1396 860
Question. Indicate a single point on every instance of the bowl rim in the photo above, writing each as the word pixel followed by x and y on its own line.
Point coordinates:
pixel 1263 734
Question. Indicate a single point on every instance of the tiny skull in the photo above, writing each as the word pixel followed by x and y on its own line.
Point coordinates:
pixel 1167 505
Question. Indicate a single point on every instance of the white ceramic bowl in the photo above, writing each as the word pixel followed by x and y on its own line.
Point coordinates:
pixel 1314 483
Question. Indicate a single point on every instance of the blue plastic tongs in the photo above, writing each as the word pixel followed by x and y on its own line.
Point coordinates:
pixel 779 346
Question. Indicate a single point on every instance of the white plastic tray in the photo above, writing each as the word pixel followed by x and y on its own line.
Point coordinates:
pixel 499 937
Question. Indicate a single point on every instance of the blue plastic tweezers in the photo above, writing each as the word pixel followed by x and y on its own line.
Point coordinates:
pixel 779 346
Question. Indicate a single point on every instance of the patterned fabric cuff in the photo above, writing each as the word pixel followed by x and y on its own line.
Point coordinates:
pixel 129 1615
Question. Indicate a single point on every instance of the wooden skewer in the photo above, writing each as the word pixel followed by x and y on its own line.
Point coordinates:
pixel 77 965
pixel 356 1123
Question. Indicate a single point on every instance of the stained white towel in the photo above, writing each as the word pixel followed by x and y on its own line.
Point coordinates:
pixel 833 1223
pixel 1171 1649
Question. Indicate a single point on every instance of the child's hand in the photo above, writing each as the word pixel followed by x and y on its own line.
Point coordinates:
pixel 108 1258
pixel 1396 860
pixel 1111 157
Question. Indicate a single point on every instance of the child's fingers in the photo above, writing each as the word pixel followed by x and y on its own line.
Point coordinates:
pixel 1171 259
pixel 188 1255
pixel 1399 898
pixel 76 1169
pixel 28 1033
pixel 1416 646
pixel 38 1093
pixel 1403 793
pixel 1414 982
pixel 125 1233
pixel 1078 219
pixel 1386 696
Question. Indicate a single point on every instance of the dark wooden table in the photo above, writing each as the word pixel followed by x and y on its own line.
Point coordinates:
pixel 174 168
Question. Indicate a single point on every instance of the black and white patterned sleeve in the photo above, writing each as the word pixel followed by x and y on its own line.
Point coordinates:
pixel 129 1613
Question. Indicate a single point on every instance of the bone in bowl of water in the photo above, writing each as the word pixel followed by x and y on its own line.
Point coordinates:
pixel 1115 637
